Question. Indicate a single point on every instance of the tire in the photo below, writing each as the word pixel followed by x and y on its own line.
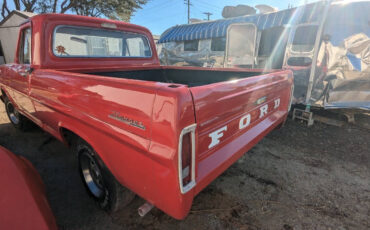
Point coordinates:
pixel 101 185
pixel 18 120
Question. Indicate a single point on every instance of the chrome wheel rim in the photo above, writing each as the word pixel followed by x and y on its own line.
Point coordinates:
pixel 92 175
pixel 13 113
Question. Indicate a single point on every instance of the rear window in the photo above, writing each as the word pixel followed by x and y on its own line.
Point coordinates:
pixel 304 38
pixel 70 41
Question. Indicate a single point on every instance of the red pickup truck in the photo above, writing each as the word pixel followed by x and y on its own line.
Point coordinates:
pixel 163 133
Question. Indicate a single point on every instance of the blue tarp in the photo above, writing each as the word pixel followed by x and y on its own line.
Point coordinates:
pixel 306 14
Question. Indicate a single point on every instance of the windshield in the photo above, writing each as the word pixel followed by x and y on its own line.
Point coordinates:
pixel 72 41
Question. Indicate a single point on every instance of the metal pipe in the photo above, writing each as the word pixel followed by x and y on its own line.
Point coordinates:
pixel 144 209
pixel 316 52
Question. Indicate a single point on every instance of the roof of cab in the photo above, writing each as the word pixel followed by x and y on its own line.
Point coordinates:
pixel 78 19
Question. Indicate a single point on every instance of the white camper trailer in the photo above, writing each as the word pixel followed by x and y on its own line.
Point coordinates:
pixel 9 28
pixel 326 45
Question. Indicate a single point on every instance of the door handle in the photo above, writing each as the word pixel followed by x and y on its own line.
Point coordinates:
pixel 25 72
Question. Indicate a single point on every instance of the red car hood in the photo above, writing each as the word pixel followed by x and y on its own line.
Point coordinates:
pixel 23 204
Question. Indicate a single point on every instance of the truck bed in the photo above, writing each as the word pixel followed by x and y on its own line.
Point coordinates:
pixel 186 76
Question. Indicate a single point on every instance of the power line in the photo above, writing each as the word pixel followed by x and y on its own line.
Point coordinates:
pixel 148 16
pixel 210 5
pixel 208 15
pixel 152 20
pixel 162 6
pixel 159 5
pixel 210 8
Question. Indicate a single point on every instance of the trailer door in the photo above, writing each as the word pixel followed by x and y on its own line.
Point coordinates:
pixel 299 55
pixel 241 45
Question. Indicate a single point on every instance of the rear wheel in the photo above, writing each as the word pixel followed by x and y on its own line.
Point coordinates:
pixel 17 119
pixel 99 182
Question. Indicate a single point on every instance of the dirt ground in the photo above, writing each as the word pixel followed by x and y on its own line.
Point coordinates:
pixel 295 178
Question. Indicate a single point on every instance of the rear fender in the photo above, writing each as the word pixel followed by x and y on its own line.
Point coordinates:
pixel 79 131
pixel 3 95
pixel 6 94
pixel 112 152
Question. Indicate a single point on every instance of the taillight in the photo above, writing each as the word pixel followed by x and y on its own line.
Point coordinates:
pixel 187 158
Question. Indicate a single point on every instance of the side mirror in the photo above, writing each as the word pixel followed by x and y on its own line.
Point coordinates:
pixel 299 61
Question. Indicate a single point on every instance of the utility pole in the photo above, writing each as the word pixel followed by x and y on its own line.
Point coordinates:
pixel 208 15
pixel 188 3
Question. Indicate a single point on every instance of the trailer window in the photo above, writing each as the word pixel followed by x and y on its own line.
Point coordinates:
pixel 218 44
pixel 269 39
pixel 304 38
pixel 342 23
pixel 70 41
pixel 191 45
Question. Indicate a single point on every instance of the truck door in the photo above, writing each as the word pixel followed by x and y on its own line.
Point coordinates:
pixel 20 73
pixel 241 45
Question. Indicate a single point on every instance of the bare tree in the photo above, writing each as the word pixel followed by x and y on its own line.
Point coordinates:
pixel 24 5
pixel 113 9
pixel 29 5
pixel 4 9
pixel 55 6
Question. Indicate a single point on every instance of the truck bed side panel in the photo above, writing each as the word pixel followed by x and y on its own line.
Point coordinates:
pixel 113 116
pixel 132 125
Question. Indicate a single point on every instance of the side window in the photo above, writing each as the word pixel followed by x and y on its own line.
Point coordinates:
pixel 25 47
pixel 218 44
pixel 341 26
pixel 191 45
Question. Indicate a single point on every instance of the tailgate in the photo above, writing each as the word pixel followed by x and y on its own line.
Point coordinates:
pixel 232 116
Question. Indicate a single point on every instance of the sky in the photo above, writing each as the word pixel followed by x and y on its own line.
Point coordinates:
pixel 159 15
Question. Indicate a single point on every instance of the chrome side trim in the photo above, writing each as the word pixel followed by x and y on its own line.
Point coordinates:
pixel 192 183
